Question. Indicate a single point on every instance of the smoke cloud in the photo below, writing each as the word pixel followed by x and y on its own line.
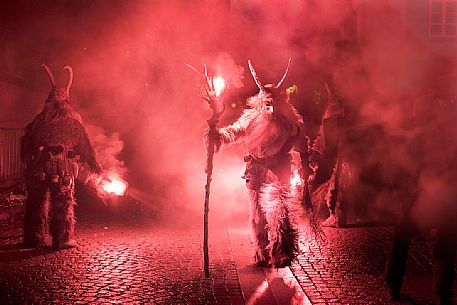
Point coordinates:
pixel 141 102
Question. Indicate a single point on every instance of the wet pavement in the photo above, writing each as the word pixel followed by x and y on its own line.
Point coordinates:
pixel 133 262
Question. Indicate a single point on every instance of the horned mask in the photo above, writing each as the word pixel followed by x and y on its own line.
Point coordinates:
pixel 59 94
pixel 268 93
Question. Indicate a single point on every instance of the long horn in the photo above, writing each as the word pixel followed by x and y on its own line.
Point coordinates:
pixel 329 92
pixel 51 77
pixel 284 76
pixel 70 76
pixel 254 75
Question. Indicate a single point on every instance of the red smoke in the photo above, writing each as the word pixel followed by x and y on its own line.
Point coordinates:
pixel 131 81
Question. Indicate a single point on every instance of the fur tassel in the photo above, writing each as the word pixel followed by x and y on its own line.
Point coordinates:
pixel 282 230
pixel 62 218
pixel 258 226
pixel 36 217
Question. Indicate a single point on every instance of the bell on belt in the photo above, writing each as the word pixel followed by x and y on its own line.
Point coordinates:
pixel 54 178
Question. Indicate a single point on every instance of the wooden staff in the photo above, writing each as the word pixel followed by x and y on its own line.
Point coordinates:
pixel 211 94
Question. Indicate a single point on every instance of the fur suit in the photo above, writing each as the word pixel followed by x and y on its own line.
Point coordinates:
pixel 51 148
pixel 269 129
pixel 330 162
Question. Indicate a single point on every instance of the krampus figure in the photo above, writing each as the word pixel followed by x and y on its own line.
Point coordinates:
pixel 269 129
pixel 327 179
pixel 54 144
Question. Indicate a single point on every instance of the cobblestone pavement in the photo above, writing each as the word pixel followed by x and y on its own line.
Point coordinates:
pixel 119 264
pixel 349 268
pixel 136 263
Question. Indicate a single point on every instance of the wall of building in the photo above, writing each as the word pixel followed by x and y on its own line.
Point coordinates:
pixel 11 166
pixel 402 56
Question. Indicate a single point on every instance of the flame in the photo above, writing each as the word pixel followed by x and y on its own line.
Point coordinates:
pixel 219 85
pixel 112 184
pixel 295 178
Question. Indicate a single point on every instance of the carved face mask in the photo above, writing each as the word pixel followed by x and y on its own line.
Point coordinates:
pixel 268 93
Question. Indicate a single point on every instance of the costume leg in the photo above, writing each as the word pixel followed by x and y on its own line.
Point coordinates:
pixel 444 263
pixel 334 201
pixel 36 213
pixel 255 177
pixel 282 232
pixel 62 216
pixel 259 230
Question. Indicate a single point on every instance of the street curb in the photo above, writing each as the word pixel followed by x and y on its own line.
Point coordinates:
pixel 262 286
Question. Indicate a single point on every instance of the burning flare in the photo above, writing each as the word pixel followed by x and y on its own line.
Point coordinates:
pixel 219 85
pixel 116 186
pixel 110 184
pixel 295 178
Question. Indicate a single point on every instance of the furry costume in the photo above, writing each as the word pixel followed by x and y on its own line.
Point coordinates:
pixel 51 148
pixel 327 180
pixel 269 129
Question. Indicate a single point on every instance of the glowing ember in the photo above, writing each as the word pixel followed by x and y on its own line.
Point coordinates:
pixel 112 185
pixel 219 85
pixel 295 178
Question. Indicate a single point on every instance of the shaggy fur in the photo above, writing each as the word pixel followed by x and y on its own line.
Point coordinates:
pixel 276 204
pixel 50 173
pixel 58 124
pixel 269 136
pixel 62 215
pixel 36 214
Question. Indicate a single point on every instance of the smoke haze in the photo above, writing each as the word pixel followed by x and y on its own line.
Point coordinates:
pixel 133 88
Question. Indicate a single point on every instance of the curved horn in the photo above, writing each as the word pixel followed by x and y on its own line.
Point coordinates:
pixel 70 76
pixel 51 77
pixel 285 74
pixel 254 75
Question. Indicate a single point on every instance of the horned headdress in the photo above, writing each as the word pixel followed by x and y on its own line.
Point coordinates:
pixel 59 94
pixel 268 89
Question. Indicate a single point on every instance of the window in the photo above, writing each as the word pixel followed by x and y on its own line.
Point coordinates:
pixel 443 18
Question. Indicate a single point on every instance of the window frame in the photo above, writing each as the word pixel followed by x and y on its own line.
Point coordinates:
pixel 448 8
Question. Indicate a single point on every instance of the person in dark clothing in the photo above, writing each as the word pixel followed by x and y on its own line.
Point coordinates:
pixel 427 185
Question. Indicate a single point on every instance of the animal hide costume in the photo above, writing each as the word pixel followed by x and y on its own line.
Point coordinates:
pixel 327 178
pixel 270 128
pixel 52 148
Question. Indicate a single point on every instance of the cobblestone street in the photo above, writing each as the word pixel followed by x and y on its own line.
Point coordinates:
pixel 228 152
pixel 119 262
pixel 349 268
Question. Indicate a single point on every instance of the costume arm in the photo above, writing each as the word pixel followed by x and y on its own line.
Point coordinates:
pixel 85 149
pixel 238 129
